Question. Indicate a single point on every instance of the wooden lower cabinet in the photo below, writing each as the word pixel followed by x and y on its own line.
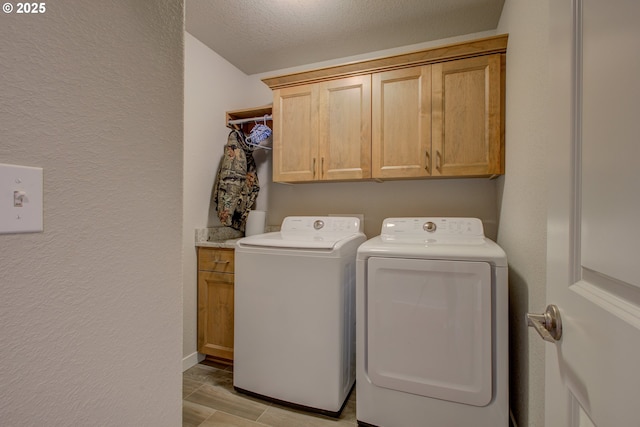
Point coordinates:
pixel 215 302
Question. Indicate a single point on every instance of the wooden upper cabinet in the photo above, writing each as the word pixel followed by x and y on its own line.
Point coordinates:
pixel 322 131
pixel 467 124
pixel 345 129
pixel 295 133
pixel 432 113
pixel 401 115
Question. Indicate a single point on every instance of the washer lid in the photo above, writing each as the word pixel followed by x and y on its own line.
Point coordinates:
pixel 308 232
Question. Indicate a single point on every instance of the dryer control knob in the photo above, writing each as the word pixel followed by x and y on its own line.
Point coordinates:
pixel 429 227
pixel 318 224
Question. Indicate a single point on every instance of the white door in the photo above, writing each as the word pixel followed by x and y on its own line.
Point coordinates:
pixel 592 373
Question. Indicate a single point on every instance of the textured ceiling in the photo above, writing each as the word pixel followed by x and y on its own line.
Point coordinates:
pixel 264 35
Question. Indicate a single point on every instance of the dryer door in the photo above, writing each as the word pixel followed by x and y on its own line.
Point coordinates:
pixel 429 328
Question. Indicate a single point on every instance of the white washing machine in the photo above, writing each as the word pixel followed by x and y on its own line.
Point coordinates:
pixel 294 337
pixel 432 326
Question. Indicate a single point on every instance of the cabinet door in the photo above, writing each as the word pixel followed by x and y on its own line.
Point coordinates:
pixel 215 314
pixel 401 117
pixel 295 134
pixel 467 124
pixel 345 129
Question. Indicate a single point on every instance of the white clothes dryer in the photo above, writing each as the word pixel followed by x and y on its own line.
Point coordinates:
pixel 294 327
pixel 432 326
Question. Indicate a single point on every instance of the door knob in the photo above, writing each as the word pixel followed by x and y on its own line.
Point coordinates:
pixel 548 324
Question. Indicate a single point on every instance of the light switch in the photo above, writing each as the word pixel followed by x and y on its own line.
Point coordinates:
pixel 21 198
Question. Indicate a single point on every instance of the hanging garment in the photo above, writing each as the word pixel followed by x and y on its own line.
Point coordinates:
pixel 236 187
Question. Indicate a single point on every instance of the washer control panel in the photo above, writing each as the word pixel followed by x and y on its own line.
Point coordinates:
pixel 428 227
pixel 321 224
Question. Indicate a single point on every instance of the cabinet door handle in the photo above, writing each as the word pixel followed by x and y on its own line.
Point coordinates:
pixel 438 161
pixel 428 160
pixel 314 167
pixel 321 167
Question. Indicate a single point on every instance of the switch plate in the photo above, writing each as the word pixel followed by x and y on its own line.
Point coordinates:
pixel 21 195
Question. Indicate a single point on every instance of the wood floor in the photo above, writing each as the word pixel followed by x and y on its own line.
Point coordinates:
pixel 209 400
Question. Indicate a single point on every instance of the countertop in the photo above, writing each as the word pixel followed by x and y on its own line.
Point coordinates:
pixel 229 243
pixel 221 237
pixel 217 237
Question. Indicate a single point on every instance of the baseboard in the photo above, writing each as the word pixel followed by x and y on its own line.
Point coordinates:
pixel 191 360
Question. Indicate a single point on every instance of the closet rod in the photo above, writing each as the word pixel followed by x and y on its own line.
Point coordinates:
pixel 251 119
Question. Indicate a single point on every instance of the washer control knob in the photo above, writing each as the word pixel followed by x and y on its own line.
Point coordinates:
pixel 429 227
pixel 318 224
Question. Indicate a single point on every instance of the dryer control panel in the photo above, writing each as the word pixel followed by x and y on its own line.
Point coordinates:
pixel 431 227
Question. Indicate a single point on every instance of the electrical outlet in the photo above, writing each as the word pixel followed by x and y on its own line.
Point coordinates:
pixel 21 196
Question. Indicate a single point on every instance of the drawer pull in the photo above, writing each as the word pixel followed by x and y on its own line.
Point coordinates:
pixel 217 261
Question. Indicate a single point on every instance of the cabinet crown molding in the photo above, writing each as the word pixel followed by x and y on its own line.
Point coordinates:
pixel 467 49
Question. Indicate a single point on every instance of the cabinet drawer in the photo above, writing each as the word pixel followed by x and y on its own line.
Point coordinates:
pixel 215 259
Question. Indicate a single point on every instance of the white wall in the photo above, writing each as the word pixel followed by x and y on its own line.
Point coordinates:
pixel 212 87
pixel 523 198
pixel 445 197
pixel 90 309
